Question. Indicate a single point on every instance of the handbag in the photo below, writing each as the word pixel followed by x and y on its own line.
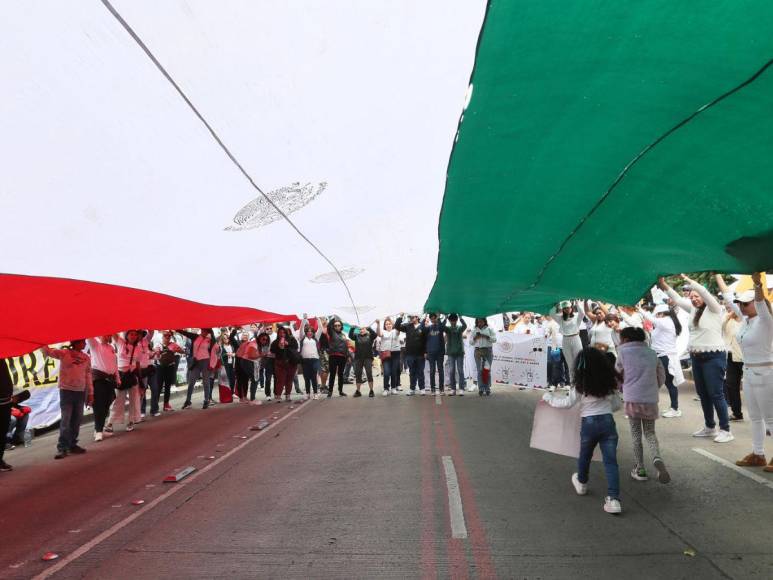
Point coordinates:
pixel 129 379
pixel 385 355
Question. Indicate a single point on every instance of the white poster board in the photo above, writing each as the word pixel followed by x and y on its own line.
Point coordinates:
pixel 520 359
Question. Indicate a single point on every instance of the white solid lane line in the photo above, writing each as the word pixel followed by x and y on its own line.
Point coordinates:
pixel 115 528
pixel 458 527
pixel 745 472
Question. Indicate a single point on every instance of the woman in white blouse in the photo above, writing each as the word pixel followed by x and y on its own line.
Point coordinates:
pixel 389 353
pixel 755 337
pixel 569 320
pixel 708 356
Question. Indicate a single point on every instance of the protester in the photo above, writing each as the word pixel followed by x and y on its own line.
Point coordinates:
pixel 595 388
pixel 245 355
pixel 265 365
pixel 707 354
pixel 755 337
pixel 286 359
pixel 202 345
pixel 665 329
pixel 436 347
pixel 389 353
pixel 415 350
pixel 734 371
pixel 454 331
pixel 482 338
pixel 603 331
pixel 128 387
pixel 324 357
pixel 642 373
pixel 76 389
pixel 338 352
pixel 227 353
pixel 569 320
pixel 363 338
pixel 6 394
pixel 310 353
pixel 167 357
pixel 104 372
pixel 524 324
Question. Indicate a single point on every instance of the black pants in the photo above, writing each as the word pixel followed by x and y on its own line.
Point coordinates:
pixel 337 365
pixel 165 377
pixel 265 372
pixel 733 376
pixel 5 423
pixel 245 378
pixel 584 339
pixel 104 395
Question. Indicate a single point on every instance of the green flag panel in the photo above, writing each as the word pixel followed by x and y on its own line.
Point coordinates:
pixel 606 143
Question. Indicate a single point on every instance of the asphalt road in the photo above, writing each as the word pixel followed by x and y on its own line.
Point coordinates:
pixel 358 488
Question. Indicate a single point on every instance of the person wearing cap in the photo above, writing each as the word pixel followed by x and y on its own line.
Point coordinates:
pixel 76 389
pixel 569 320
pixel 454 328
pixel 708 356
pixel 665 329
pixel 755 337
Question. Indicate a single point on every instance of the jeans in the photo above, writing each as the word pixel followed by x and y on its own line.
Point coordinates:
pixel 599 430
pixel 337 365
pixel 708 371
pixel 311 368
pixel 165 377
pixel 104 393
pixel 456 362
pixel 265 372
pixel 144 381
pixel 71 404
pixel 199 369
pixel 436 361
pixel 5 422
pixel 415 370
pixel 484 354
pixel 673 392
pixel 733 378
pixel 391 370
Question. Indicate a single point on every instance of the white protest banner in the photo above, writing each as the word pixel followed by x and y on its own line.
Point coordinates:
pixel 40 375
pixel 520 359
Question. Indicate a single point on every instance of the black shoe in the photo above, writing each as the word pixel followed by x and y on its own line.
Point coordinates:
pixel 186 405
pixel 330 394
pixel 342 394
pixel 4 466
pixel 736 417
pixel 61 454
pixel 357 394
pixel 77 450
pixel 205 406
pixel 371 393
pixel 10 446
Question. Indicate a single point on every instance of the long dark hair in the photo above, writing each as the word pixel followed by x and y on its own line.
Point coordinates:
pixel 594 374
pixel 696 319
pixel 675 319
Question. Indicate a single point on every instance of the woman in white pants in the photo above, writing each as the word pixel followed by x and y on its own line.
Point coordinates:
pixel 569 321
pixel 755 336
pixel 129 360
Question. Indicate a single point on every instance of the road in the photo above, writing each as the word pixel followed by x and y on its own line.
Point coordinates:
pixel 358 488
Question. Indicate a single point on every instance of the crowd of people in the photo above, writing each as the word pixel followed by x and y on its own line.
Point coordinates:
pixel 599 350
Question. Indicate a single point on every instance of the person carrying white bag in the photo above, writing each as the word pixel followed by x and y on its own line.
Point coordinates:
pixel 595 389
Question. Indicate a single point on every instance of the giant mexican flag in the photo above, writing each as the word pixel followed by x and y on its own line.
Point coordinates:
pixel 159 158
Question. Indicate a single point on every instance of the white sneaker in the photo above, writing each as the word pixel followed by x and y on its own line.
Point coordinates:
pixel 385 393
pixel 157 414
pixel 130 427
pixel 308 396
pixel 724 437
pixel 612 505
pixel 268 398
pixel 671 413
pixel 97 436
pixel 316 397
pixel 461 393
pixel 580 488
pixel 422 392
pixel 410 394
pixel 705 432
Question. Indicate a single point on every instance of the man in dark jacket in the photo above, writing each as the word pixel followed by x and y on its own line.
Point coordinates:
pixel 455 350
pixel 363 338
pixel 6 392
pixel 436 351
pixel 415 349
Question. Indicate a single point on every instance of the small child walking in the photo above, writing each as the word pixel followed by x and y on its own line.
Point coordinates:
pixel 595 388
pixel 643 373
